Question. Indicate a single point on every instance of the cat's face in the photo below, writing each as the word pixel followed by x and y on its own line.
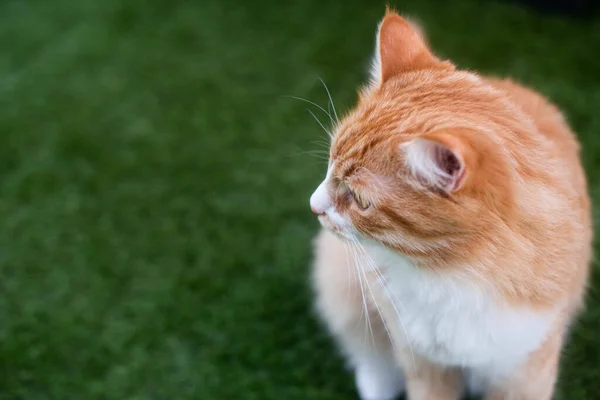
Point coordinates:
pixel 372 189
pixel 404 169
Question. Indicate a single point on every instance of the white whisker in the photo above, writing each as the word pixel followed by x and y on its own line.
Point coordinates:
pixel 321 143
pixel 330 99
pixel 315 153
pixel 385 326
pixel 350 263
pixel 368 327
pixel 393 301
pixel 350 268
pixel 313 103
pixel 321 157
pixel 320 162
pixel 319 122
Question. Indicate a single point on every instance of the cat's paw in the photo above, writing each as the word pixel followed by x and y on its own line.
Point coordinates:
pixel 378 382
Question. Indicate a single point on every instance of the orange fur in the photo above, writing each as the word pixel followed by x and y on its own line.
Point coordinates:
pixel 520 144
pixel 519 222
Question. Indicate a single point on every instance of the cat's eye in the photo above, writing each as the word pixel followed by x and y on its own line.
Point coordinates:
pixel 360 201
pixel 343 190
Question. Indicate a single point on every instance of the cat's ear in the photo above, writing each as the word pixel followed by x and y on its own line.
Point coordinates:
pixel 400 47
pixel 438 160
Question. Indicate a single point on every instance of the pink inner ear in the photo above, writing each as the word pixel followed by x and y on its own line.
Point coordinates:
pixel 435 164
pixel 449 163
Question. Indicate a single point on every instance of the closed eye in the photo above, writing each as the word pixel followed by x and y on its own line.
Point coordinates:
pixel 360 201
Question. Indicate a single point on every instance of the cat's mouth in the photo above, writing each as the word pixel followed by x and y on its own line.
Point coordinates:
pixel 326 223
pixel 329 225
pixel 322 205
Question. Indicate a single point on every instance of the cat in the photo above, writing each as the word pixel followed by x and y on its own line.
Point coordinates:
pixel 456 236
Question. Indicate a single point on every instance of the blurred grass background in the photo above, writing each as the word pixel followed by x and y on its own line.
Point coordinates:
pixel 155 230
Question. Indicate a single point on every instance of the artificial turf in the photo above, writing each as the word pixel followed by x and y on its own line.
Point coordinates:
pixel 154 221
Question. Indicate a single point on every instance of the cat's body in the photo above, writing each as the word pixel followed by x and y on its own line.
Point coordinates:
pixel 462 231
pixel 441 318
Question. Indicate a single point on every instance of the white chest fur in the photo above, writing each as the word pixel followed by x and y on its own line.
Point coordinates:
pixel 453 322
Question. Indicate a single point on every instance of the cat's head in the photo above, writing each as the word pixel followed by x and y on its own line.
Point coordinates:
pixel 413 166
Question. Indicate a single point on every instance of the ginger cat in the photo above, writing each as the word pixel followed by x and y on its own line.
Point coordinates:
pixel 457 234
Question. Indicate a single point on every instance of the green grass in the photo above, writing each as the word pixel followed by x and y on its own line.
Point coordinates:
pixel 155 230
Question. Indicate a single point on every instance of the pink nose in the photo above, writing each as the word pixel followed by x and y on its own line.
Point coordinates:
pixel 319 201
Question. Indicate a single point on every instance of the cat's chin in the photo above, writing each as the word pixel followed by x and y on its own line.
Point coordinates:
pixel 336 230
pixel 342 235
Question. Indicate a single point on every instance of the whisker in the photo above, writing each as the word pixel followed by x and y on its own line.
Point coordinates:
pixel 320 162
pixel 330 99
pixel 385 286
pixel 368 327
pixel 385 326
pixel 316 153
pixel 321 143
pixel 319 122
pixel 319 156
pixel 313 103
pixel 381 275
pixel 351 279
pixel 323 159
pixel 351 265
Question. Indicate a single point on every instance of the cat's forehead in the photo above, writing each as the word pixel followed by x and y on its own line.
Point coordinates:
pixel 372 156
pixel 365 128
pixel 354 171
pixel 400 109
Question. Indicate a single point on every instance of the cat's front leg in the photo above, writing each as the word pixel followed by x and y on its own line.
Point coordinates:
pixel 428 381
pixel 377 377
